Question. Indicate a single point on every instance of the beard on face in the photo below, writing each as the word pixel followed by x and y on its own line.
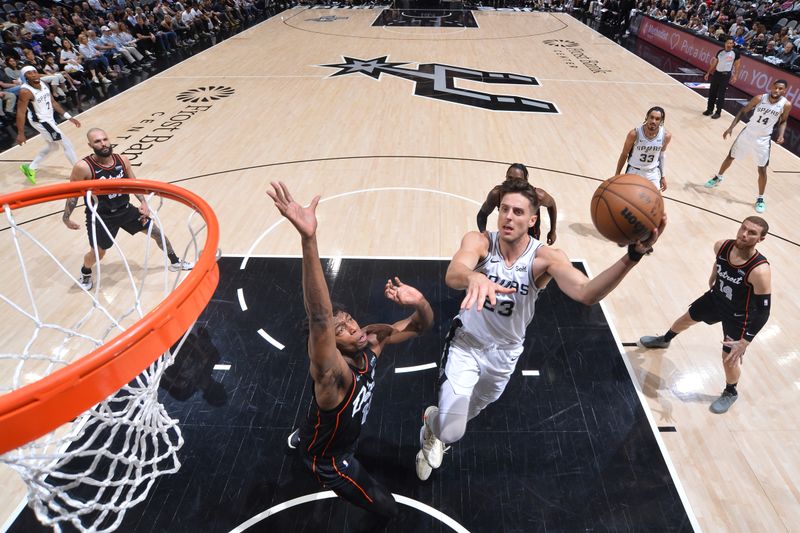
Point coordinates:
pixel 103 152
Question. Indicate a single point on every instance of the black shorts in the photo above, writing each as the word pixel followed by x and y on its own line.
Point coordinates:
pixel 126 218
pixel 705 309
pixel 345 476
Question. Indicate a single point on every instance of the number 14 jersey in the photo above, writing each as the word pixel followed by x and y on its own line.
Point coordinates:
pixel 765 116
pixel 505 323
pixel 732 290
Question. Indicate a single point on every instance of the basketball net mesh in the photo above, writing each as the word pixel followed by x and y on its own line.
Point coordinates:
pixel 90 472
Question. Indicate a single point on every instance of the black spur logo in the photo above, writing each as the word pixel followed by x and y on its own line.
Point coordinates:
pixel 434 80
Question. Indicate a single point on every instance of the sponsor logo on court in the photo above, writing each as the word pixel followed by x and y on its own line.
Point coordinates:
pixel 438 81
pixel 159 127
pixel 573 55
pixel 205 94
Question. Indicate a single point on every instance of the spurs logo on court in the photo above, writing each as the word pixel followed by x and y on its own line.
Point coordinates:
pixel 434 80
pixel 205 94
pixel 560 43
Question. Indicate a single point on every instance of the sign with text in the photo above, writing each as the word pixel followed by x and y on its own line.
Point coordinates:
pixel 755 77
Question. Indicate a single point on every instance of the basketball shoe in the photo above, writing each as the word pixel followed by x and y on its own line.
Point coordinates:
pixel 432 448
pixel 713 182
pixel 423 468
pixel 181 265
pixel 761 206
pixel 85 281
pixel 30 173
pixel 654 342
pixel 723 403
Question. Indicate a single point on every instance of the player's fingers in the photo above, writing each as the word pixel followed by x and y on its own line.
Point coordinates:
pixel 466 303
pixel 286 192
pixel 490 294
pixel 397 282
pixel 504 290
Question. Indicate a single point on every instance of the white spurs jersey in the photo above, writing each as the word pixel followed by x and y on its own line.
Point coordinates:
pixel 40 107
pixel 645 152
pixel 765 116
pixel 506 322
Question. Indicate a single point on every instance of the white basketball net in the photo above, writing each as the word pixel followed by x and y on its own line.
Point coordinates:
pixel 90 472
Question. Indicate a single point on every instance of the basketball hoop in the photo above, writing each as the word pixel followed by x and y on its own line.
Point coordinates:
pixel 120 438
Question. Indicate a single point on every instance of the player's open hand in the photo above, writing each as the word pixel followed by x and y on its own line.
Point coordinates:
pixel 304 219
pixel 479 289
pixel 737 351
pixel 76 122
pixel 400 293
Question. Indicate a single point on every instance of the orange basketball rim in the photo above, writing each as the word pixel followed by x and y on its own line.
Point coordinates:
pixel 34 410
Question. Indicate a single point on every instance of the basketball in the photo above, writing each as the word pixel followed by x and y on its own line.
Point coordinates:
pixel 627 208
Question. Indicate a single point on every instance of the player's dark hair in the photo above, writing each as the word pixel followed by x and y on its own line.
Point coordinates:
pixel 337 308
pixel 784 82
pixel 520 167
pixel 660 110
pixel 760 222
pixel 523 188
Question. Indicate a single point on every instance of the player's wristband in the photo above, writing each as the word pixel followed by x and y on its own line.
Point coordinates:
pixel 633 255
pixel 66 115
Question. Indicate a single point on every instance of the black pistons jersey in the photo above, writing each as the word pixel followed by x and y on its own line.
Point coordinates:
pixel 111 202
pixel 732 291
pixel 327 434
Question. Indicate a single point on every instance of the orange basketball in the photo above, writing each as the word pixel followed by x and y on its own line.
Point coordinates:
pixel 627 208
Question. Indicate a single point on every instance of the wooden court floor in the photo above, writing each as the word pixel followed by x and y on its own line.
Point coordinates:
pixel 403 154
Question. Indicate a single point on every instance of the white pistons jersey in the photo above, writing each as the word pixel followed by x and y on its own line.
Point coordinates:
pixel 765 116
pixel 40 107
pixel 504 324
pixel 646 152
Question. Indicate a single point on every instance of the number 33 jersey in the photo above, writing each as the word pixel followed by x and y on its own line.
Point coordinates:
pixel 504 324
pixel 732 291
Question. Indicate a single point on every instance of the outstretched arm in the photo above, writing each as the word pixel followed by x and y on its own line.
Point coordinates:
pixel 626 151
pixel 461 274
pixel 420 320
pixel 327 365
pixel 578 286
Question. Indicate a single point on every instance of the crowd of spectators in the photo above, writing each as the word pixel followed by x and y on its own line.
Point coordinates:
pixel 81 46
pixel 766 29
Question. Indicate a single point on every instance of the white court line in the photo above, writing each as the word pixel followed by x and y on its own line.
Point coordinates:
pixel 13 516
pixel 270 339
pixel 646 408
pixel 237 77
pixel 406 369
pixel 222 367
pixel 242 303
pixel 530 372
pixel 613 82
pixel 348 193
pixel 435 513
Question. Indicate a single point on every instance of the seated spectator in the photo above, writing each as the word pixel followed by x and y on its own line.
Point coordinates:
pixel 131 55
pixel 787 55
pixel 50 43
pixel 758 44
pixel 73 63
pixel 738 39
pixel 32 26
pixel 92 58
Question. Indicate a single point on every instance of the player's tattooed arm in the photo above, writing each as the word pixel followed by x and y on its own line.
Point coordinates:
pixel 68 209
